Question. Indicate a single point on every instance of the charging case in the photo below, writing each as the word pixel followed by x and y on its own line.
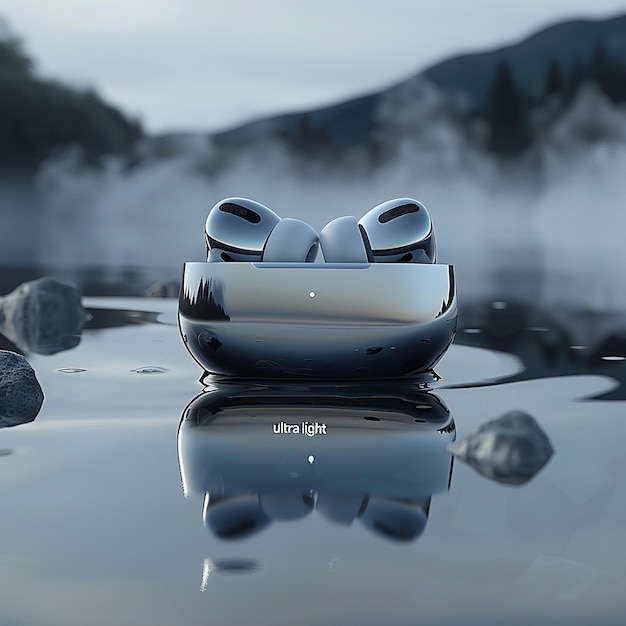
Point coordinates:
pixel 317 320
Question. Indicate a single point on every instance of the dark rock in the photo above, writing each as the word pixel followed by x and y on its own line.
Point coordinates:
pixel 169 289
pixel 43 316
pixel 21 396
pixel 510 449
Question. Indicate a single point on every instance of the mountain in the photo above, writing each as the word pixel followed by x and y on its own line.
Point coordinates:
pixel 569 44
pixel 571 47
pixel 39 117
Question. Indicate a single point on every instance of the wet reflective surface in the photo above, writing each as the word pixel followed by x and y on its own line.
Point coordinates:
pixel 106 517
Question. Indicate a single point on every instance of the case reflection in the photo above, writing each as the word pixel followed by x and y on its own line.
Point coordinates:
pixel 260 454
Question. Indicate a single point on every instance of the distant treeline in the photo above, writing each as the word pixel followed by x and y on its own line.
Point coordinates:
pixel 515 114
pixel 509 108
pixel 38 117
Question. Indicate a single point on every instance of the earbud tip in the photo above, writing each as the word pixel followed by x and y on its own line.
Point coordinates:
pixel 291 241
pixel 341 241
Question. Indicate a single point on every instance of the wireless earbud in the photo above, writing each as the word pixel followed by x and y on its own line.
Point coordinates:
pixel 239 229
pixel 396 231
pixel 399 231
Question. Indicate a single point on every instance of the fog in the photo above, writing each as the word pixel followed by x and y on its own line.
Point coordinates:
pixel 548 226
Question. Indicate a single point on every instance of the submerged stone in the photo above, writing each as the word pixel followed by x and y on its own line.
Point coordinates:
pixel 510 449
pixel 21 396
pixel 44 316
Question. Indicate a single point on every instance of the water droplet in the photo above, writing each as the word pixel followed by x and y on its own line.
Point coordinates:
pixel 498 305
pixel 538 329
pixel 472 331
pixel 149 369
pixel 613 357
pixel 311 294
pixel 311 459
pixel 577 347
pixel 71 370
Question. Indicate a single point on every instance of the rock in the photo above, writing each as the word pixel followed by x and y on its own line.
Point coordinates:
pixel 21 396
pixel 510 449
pixel 43 316
pixel 169 289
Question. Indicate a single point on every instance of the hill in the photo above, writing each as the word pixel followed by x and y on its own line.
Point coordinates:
pixel 38 117
pixel 558 58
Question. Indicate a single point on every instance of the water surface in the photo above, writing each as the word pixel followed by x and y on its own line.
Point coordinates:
pixel 100 527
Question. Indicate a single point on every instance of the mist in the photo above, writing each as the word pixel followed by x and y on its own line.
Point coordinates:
pixel 551 221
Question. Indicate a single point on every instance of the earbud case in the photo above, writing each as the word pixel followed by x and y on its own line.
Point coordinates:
pixel 317 320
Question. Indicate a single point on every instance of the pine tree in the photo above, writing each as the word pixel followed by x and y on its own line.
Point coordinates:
pixel 608 74
pixel 577 75
pixel 599 64
pixel 13 60
pixel 553 84
pixel 509 132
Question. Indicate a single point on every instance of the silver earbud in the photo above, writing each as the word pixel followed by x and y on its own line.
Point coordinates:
pixel 239 229
pixel 399 231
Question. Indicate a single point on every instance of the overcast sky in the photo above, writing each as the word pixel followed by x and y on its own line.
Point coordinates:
pixel 208 65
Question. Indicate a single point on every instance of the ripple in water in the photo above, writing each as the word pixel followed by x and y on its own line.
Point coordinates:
pixel 150 369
